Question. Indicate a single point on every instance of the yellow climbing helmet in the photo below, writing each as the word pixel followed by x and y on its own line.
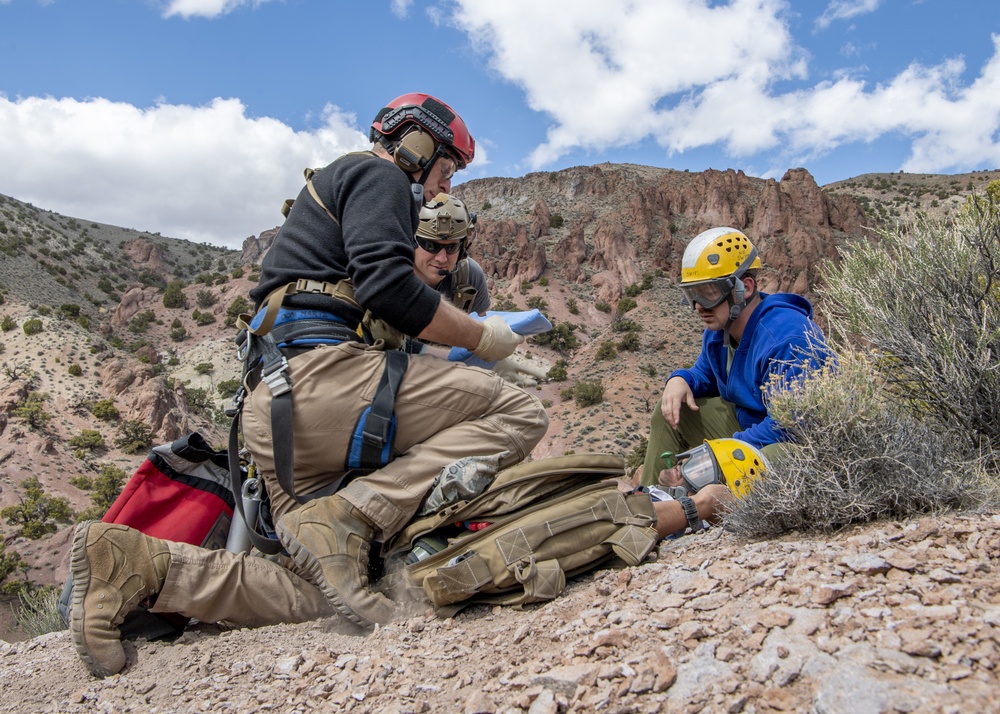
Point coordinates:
pixel 731 462
pixel 712 266
pixel 717 253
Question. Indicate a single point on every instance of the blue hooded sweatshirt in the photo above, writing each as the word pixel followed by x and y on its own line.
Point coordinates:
pixel 778 331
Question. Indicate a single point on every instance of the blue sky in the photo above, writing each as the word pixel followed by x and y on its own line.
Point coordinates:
pixel 195 118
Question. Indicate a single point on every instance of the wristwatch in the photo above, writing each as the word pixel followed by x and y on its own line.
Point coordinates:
pixel 691 512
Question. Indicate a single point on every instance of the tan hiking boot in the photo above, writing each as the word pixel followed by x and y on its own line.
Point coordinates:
pixel 114 568
pixel 330 539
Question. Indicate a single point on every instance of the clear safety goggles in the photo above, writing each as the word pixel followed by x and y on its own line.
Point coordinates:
pixel 434 247
pixel 707 294
pixel 699 468
pixel 448 167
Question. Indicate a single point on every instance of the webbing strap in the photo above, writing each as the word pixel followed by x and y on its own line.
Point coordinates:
pixel 375 432
pixel 341 290
pixel 286 207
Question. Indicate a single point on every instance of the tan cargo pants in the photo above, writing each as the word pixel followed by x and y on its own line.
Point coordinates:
pixel 444 411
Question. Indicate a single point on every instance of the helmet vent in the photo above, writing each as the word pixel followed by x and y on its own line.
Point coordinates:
pixel 713 259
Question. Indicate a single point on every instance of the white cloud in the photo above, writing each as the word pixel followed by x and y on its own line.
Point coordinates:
pixel 205 8
pixel 845 10
pixel 208 173
pixel 693 75
pixel 401 8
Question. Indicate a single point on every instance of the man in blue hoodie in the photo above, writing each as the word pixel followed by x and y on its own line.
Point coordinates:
pixel 751 340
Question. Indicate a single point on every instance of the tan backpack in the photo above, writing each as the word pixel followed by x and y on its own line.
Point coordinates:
pixel 549 520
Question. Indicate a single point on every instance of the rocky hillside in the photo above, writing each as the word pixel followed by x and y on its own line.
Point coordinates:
pixel 890 617
pixel 572 242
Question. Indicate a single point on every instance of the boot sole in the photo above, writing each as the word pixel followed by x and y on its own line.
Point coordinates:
pixel 80 569
pixel 308 562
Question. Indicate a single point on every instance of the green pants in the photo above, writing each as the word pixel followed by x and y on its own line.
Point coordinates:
pixel 715 419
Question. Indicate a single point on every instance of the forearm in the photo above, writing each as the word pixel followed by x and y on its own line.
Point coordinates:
pixel 451 326
pixel 670 517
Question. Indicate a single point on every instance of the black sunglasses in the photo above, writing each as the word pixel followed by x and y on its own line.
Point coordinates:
pixel 432 246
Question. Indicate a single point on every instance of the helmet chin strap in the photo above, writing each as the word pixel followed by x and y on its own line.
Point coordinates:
pixel 736 305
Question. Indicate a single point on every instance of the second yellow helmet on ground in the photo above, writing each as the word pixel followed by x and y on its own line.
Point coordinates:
pixel 731 462
pixel 716 253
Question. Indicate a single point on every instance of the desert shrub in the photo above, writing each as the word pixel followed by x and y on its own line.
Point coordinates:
pixel 32 326
pixel 227 387
pixel 626 304
pixel 140 323
pixel 625 324
pixel 10 563
pixel 504 303
pixel 237 307
pixel 633 290
pixel 74 370
pixel 606 351
pixel 206 298
pixel 638 455
pixel 37 613
pixel 38 514
pixel 588 392
pixel 198 398
pixel 204 367
pixel 556 221
pixel 173 295
pixel 926 300
pixel 32 410
pixel 629 342
pixel 105 410
pixel 202 318
pixel 177 330
pixel 560 337
pixel 572 307
pixel 8 323
pixel 557 372
pixel 860 455
pixel 602 306
pixel 537 302
pixel 525 286
pixel 89 439
pixel 134 436
pixel 104 490
pixel 69 311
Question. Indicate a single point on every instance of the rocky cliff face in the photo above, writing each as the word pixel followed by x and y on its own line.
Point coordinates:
pixel 608 224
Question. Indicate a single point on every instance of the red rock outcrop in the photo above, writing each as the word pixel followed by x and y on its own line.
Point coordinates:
pixel 618 221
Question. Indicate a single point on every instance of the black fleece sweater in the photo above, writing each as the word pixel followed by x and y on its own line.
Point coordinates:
pixel 373 245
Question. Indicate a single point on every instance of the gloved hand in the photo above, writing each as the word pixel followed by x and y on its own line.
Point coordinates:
pixel 382 330
pixel 523 375
pixel 498 340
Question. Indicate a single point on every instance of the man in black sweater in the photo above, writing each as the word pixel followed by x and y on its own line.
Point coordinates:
pixel 347 246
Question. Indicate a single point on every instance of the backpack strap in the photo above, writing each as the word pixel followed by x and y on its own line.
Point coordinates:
pixel 286 207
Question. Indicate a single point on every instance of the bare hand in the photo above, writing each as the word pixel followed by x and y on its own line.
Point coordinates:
pixel 676 393
pixel 671 477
